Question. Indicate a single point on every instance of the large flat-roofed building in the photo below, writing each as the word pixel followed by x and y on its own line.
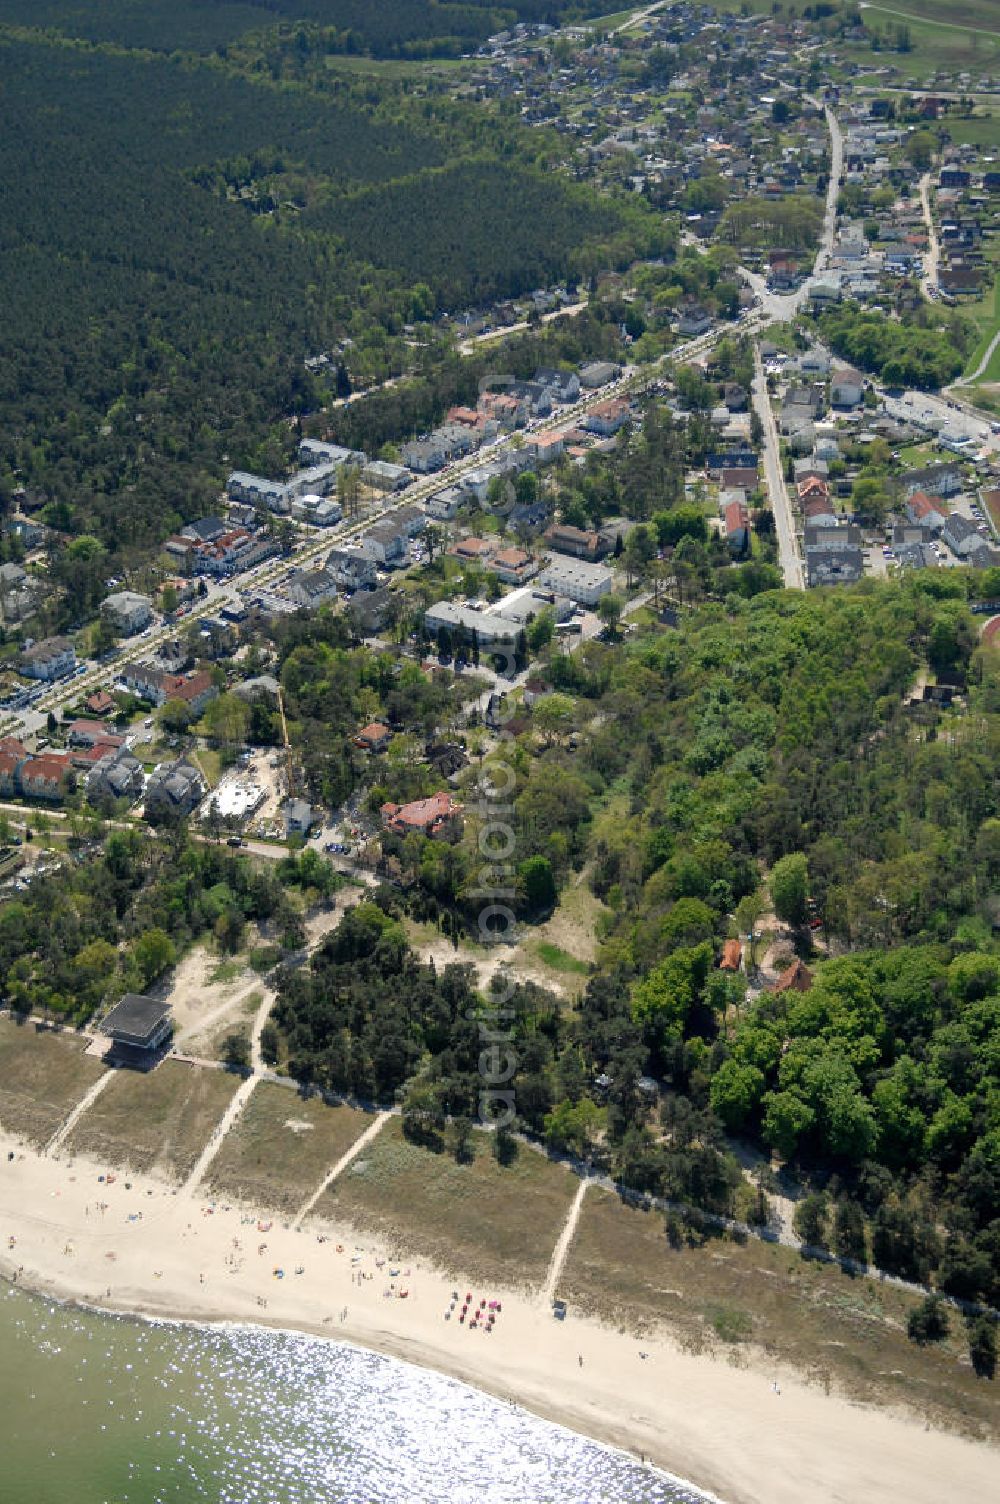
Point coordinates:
pixel 490 628
pixel 581 582
pixel 139 1023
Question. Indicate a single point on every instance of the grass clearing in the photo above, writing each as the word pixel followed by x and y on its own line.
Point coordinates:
pixel 986 314
pixel 154 1121
pixel 977 130
pixel 935 45
pixel 282 1146
pixel 916 455
pixel 483 1221
pixel 837 1331
pixel 227 970
pixel 970 14
pixel 42 1077
pixel 567 943
pixel 209 760
pixel 558 959
pixel 445 68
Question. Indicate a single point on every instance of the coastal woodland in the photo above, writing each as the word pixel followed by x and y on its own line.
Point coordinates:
pixel 763 760
pixel 764 754
pixel 749 760
pixel 214 229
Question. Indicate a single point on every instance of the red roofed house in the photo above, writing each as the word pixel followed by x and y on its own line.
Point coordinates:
pixel 196 690
pixel 374 737
pixel 513 565
pixel 737 527
pixel 475 550
pixel 43 777
pixel 813 488
pixel 99 703
pixel 12 755
pixel 606 418
pixel 797 978
pixel 89 733
pixel 566 539
pixel 819 512
pixel 437 816
pixel 732 956
pixel 926 511
pixel 476 422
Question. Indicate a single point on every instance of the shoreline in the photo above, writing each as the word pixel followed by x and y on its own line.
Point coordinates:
pixel 224 1323
pixel 743 1435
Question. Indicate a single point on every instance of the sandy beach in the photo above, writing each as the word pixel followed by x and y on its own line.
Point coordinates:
pixel 750 1436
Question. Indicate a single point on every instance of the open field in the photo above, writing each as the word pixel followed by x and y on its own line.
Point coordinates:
pixel 840 1332
pixel 281 1147
pixel 42 1077
pixel 986 314
pixel 976 130
pixel 944 45
pixel 484 1221
pixel 156 1121
pixel 972 14
pixel 448 69
pixel 563 948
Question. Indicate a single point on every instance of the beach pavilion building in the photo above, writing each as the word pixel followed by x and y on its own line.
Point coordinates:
pixel 138 1028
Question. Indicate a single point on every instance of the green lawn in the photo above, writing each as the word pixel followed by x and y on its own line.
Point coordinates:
pixel 981 14
pixel 918 454
pixel 559 959
pixel 977 130
pixel 935 45
pixel 986 313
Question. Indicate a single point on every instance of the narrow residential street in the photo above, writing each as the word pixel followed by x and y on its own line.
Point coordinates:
pixel 930 272
pixel 788 552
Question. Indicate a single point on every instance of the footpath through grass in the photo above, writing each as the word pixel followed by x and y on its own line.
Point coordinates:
pixel 282 1147
pixel 482 1221
pixel 156 1120
pixel 986 314
pixel 726 1298
pixel 42 1077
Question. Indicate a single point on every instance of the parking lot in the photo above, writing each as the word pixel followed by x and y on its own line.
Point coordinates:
pixel 943 415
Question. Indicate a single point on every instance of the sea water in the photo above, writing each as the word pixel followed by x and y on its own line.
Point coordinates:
pixel 98 1409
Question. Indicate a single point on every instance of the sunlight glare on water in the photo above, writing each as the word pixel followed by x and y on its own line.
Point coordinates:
pixel 103 1410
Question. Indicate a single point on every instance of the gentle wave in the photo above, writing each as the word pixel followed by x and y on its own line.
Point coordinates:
pixel 254 1415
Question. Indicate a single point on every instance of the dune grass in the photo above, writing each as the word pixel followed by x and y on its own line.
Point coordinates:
pixel 482 1220
pixel 281 1148
pixel 726 1297
pixel 154 1121
pixel 42 1077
